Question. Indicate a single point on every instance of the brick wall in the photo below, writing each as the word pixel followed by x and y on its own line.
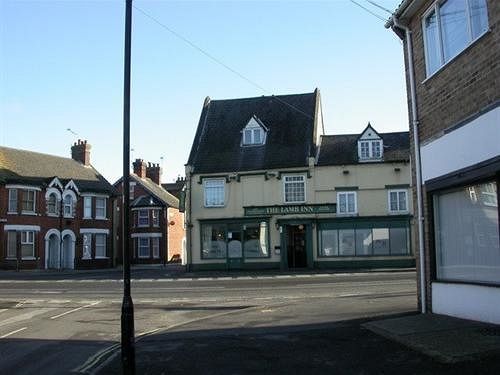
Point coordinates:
pixel 176 232
pixel 46 223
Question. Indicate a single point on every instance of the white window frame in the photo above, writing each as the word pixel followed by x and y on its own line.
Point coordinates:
pixel 29 212
pixel 139 217
pixel 13 201
pixel 371 156
pixel 103 208
pixel 68 205
pixel 131 190
pixel 87 207
pixel 347 193
pixel 435 8
pixel 139 247
pixel 100 249
pixel 208 181
pixel 285 183
pixel 155 247
pixel 28 238
pixel 397 192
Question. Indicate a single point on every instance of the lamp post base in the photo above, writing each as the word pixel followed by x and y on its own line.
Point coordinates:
pixel 128 334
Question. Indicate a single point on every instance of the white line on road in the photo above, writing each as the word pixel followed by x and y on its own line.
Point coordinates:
pixel 2 310
pixel 24 316
pixel 74 310
pixel 13 332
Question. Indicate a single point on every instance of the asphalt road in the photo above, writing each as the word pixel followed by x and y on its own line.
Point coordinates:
pixel 51 326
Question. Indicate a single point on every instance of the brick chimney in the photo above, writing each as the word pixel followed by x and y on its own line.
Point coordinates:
pixel 139 168
pixel 80 152
pixel 153 171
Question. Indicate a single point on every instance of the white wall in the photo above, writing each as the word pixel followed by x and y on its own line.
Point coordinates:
pixel 466 301
pixel 471 144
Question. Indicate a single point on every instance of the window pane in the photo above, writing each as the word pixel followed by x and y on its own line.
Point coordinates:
pixel 255 240
pixel 467 246
pixel 432 50
pixel 342 203
pixel 294 189
pixel 329 243
pixel 214 192
pixel 256 136
pixel 380 241
pixel 479 17
pixel 376 149
pixel 363 241
pixel 52 204
pixel 247 137
pixel 346 242
pixel 155 243
pixel 454 27
pixel 213 241
pixel 11 245
pixel 87 207
pixel 29 200
pixel 351 205
pixel 402 201
pixel 27 250
pixel 399 240
pixel 100 245
pixel 143 248
pixel 365 150
pixel 87 242
pixel 100 207
pixel 68 205
pixel 394 200
pixel 12 200
pixel 143 218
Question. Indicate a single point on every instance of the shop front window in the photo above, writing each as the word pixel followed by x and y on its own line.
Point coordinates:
pixel 466 234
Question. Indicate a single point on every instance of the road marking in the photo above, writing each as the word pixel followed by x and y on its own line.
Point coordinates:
pixel 13 332
pixel 24 316
pixel 2 310
pixel 74 310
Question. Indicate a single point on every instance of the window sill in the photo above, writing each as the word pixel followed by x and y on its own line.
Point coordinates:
pixel 222 206
pixel 52 215
pixel 68 217
pixel 28 258
pixel 10 258
pixel 86 258
pixel 139 257
pixel 102 218
pixel 87 218
pixel 142 226
pixel 12 213
pixel 442 67
pixel 29 213
pixel 101 257
pixel 347 214
pixel 395 213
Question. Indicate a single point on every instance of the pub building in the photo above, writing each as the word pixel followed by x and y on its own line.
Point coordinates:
pixel 266 189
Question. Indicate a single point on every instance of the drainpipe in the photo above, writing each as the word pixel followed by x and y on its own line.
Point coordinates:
pixel 418 166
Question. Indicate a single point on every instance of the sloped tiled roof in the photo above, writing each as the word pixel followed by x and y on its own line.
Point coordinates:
pixel 343 149
pixel 174 188
pixel 158 191
pixel 20 166
pixel 291 120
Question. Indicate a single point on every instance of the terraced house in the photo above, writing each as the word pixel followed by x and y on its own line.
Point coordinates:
pixel 265 188
pixel 55 212
pixel 452 55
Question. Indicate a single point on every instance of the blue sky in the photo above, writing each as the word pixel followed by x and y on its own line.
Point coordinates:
pixel 61 66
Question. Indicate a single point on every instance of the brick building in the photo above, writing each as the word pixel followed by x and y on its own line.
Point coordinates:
pixel 55 212
pixel 452 57
pixel 157 226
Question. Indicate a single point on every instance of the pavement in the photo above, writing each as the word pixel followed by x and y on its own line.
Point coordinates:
pixel 407 343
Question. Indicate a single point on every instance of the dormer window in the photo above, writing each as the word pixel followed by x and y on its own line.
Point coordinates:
pixel 370 145
pixel 254 133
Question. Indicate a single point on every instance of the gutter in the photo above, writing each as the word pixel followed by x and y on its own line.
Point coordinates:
pixel 394 23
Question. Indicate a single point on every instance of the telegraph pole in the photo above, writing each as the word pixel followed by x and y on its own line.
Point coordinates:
pixel 127 317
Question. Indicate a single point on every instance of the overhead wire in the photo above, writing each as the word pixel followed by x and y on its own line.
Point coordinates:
pixel 217 61
pixel 369 11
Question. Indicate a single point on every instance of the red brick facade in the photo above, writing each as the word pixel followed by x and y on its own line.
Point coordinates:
pixel 46 223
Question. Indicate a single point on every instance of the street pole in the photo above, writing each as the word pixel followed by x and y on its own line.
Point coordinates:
pixel 127 317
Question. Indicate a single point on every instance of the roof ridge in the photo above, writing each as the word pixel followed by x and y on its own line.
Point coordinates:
pixel 262 96
pixel 357 134
pixel 39 153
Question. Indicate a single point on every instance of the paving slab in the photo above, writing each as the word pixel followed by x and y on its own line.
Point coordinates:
pixel 444 338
